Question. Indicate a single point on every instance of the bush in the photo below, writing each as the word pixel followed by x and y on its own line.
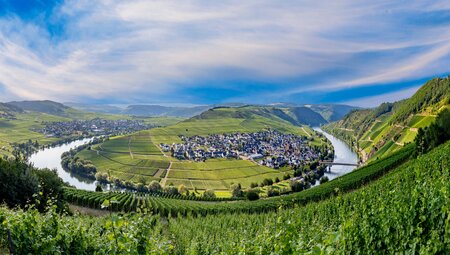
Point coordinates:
pixel 253 185
pixel 236 190
pixel 267 182
pixel 209 193
pixel 171 190
pixel 98 188
pixel 272 192
pixel 297 185
pixel 154 187
pixel 324 179
pixel 252 195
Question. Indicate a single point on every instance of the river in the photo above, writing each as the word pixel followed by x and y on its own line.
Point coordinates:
pixel 342 154
pixel 51 158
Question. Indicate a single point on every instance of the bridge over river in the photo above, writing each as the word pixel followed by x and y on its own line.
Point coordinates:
pixel 331 163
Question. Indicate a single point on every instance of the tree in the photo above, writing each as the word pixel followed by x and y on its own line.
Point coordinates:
pixel 297 185
pixel 182 189
pixel 171 190
pixel 271 192
pixel 252 194
pixel 267 182
pixel 101 177
pixel 154 187
pixel 209 193
pixel 98 188
pixel 236 190
pixel 324 179
pixel 435 134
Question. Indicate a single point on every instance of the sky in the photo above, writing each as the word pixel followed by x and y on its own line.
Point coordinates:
pixel 204 52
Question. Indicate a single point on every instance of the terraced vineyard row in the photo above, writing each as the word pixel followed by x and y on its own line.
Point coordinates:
pixel 173 205
pixel 405 212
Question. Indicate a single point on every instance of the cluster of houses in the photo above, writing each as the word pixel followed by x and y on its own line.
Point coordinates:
pixel 269 148
pixel 92 127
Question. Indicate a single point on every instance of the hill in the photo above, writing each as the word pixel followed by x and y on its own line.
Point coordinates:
pixel 293 115
pixel 329 112
pixel 382 130
pixel 395 214
pixel 138 157
pixel 158 110
pixel 332 112
pixel 45 106
pixel 97 108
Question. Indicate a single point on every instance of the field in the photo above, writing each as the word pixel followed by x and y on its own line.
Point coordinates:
pixel 25 125
pixel 20 130
pixel 392 137
pixel 137 157
pixel 404 211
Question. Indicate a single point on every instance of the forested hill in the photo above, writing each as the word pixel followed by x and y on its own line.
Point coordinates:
pixel 45 106
pixel 8 109
pixel 294 115
pixel 382 130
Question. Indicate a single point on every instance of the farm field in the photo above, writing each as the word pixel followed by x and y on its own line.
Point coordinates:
pixel 137 157
pixel 19 130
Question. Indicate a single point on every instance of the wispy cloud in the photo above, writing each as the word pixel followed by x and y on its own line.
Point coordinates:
pixel 373 101
pixel 161 51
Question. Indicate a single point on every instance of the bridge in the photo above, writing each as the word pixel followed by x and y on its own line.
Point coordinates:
pixel 331 163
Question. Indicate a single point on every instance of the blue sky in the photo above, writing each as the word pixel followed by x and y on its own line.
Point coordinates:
pixel 203 52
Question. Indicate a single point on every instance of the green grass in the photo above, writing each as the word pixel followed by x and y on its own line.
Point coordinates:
pixel 24 128
pixel 424 121
pixel 138 149
pixel 405 211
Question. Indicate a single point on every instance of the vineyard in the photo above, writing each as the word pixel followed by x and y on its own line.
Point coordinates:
pixel 175 205
pixel 405 211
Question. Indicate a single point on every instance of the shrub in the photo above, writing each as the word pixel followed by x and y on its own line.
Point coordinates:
pixel 252 195
pixel 209 193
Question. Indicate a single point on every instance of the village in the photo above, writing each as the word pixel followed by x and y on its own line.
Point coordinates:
pixel 93 127
pixel 268 148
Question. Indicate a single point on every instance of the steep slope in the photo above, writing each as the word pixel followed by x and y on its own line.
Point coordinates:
pixel 380 131
pixel 332 112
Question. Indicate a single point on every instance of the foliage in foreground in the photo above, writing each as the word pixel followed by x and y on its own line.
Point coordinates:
pixel 407 210
pixel 21 185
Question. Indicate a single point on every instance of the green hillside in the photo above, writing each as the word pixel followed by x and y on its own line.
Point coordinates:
pixel 136 158
pixel 18 125
pixel 404 211
pixel 331 112
pixel 377 132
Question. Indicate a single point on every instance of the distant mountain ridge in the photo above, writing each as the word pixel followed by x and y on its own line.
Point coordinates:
pixel 380 131
pixel 294 115
pixel 330 112
pixel 313 115
pixel 44 106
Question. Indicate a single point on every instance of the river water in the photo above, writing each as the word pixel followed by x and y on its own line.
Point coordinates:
pixel 342 154
pixel 51 158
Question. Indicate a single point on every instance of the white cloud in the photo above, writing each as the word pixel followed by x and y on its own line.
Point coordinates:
pixel 374 101
pixel 135 49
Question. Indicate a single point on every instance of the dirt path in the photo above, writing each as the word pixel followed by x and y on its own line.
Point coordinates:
pixel 129 148
pixel 159 173
pixel 304 130
pixel 163 182
pixel 347 129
